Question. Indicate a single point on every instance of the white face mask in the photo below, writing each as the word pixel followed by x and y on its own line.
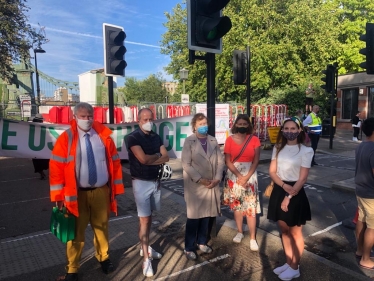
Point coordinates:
pixel 85 125
pixel 147 126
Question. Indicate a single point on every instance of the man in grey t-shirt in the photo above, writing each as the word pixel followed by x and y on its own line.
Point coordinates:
pixel 364 182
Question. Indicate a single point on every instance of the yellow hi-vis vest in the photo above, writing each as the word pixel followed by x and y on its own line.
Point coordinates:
pixel 316 125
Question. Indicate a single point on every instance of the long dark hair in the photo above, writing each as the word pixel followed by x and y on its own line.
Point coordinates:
pixel 282 141
pixel 244 117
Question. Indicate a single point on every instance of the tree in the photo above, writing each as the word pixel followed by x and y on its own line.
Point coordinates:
pixel 149 90
pixel 291 42
pixel 353 16
pixel 16 36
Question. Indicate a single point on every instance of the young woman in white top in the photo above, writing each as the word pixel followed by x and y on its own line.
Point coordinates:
pixel 288 203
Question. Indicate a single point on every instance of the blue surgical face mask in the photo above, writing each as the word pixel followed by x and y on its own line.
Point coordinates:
pixel 203 130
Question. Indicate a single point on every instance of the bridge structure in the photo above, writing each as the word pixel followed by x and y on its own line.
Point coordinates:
pixel 53 91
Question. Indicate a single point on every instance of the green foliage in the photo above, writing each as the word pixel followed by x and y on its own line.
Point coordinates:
pixel 16 36
pixel 291 42
pixel 149 90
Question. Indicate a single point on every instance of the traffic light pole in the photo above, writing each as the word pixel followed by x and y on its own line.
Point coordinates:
pixel 249 83
pixel 210 61
pixel 334 94
pixel 111 99
pixel 211 85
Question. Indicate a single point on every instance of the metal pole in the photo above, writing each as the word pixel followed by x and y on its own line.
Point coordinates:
pixel 248 82
pixel 37 80
pixel 211 81
pixel 211 112
pixel 184 86
pixel 111 99
pixel 332 104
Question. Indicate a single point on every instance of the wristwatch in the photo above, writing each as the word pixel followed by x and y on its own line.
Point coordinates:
pixel 288 195
pixel 158 154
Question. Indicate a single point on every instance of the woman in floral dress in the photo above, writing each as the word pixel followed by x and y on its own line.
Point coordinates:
pixel 240 192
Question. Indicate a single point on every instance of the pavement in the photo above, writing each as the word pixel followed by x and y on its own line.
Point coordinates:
pixel 40 256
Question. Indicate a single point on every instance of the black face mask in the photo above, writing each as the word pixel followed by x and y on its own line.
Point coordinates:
pixel 242 130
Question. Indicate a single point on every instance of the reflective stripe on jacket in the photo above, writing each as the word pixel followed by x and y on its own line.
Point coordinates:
pixel 63 167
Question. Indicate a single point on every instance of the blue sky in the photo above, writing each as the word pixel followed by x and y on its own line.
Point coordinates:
pixel 74 29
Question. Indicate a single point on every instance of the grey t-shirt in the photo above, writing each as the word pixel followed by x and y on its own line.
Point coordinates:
pixel 364 179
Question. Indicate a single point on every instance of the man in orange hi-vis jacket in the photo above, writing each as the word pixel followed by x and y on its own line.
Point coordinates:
pixel 86 176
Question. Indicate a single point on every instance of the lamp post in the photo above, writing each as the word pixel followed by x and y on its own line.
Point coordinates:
pixel 183 74
pixel 41 51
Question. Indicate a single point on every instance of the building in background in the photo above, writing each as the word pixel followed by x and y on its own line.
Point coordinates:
pixel 93 87
pixel 355 93
pixel 170 87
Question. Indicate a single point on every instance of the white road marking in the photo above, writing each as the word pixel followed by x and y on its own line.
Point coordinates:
pixel 21 179
pixel 193 267
pixel 326 229
pixel 48 232
pixel 24 201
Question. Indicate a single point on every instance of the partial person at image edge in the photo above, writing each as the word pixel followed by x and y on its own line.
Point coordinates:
pixel 364 182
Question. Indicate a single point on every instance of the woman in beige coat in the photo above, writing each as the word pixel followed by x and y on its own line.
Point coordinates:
pixel 203 164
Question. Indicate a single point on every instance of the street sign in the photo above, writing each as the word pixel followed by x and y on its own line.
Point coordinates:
pixel 185 98
pixel 26 108
pixel 13 113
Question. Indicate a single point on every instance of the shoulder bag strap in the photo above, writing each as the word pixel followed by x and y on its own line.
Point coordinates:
pixel 243 148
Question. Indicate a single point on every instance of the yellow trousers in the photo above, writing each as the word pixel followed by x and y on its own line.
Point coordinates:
pixel 94 208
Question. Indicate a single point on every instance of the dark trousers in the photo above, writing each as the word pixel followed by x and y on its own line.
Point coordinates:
pixel 314 139
pixel 196 233
pixel 356 131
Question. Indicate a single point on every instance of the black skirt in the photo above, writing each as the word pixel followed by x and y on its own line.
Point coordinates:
pixel 298 209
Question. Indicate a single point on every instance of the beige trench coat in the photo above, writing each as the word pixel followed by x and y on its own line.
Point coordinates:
pixel 201 202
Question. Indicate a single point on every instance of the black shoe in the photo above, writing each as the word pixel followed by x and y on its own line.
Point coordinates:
pixel 69 277
pixel 107 266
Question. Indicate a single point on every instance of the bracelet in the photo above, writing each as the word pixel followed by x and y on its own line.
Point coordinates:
pixel 282 185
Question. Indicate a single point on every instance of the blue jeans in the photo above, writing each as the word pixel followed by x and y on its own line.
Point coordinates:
pixel 196 233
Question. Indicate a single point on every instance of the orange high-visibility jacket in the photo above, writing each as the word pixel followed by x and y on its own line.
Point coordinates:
pixel 63 168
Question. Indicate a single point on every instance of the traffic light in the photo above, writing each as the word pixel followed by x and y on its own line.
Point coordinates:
pixel 329 79
pixel 206 25
pixel 114 50
pixel 239 62
pixel 369 50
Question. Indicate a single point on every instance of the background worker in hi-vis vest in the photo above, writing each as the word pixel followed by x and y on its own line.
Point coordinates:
pixel 313 126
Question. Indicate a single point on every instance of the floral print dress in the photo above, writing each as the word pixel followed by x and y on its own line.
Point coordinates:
pixel 242 198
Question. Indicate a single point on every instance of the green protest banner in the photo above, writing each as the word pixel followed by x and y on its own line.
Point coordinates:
pixel 21 139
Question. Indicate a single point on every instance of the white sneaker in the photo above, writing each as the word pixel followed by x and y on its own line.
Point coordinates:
pixel 289 274
pixel 151 253
pixel 280 269
pixel 147 268
pixel 238 237
pixel 253 245
pixel 354 139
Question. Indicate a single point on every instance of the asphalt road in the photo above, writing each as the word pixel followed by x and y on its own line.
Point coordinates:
pixel 25 207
